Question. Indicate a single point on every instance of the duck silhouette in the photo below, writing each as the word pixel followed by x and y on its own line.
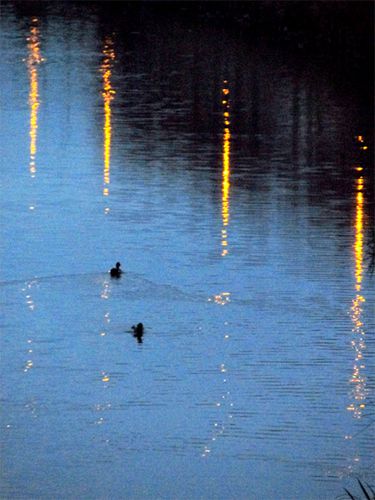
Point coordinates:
pixel 138 332
pixel 116 271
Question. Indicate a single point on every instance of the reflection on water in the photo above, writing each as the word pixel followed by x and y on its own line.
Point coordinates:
pixel 105 295
pixel 222 298
pixel 361 140
pixel 108 94
pixel 246 338
pixel 27 290
pixel 359 234
pixel 104 374
pixel 33 60
pixel 225 170
pixel 358 378
pixel 223 406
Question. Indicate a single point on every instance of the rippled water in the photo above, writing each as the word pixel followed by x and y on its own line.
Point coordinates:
pixel 232 183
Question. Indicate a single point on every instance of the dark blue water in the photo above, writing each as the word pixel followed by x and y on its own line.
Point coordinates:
pixel 231 181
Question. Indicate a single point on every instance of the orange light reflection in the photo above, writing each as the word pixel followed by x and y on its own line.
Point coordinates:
pixel 34 58
pixel 108 95
pixel 358 378
pixel 225 185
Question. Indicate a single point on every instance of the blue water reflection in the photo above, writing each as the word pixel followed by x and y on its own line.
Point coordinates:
pixel 232 181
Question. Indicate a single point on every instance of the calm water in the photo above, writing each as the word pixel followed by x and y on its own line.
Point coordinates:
pixel 231 182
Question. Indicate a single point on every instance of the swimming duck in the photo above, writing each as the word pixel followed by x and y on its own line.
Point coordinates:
pixel 138 332
pixel 116 271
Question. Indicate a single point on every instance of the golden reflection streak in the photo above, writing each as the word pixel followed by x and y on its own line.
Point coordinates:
pixel 108 95
pixel 34 58
pixel 358 244
pixel 225 185
pixel 224 404
pixel 358 342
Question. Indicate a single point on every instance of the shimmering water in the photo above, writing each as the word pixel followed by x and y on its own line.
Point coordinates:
pixel 232 182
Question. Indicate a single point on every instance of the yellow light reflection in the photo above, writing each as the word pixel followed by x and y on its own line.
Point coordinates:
pixel 108 95
pixel 225 184
pixel 223 405
pixel 361 140
pixel 358 378
pixel 34 58
pixel 358 242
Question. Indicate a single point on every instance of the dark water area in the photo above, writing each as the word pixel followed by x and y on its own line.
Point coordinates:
pixel 223 152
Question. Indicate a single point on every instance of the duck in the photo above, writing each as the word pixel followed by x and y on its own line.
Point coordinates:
pixel 116 271
pixel 138 332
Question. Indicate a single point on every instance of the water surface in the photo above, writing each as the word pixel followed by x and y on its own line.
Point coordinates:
pixel 232 181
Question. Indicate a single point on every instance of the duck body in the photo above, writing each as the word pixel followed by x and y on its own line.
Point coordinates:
pixel 116 272
pixel 138 332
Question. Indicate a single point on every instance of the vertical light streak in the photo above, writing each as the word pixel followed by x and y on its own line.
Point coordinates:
pixel 358 244
pixel 33 60
pixel 225 183
pixel 108 95
pixel 358 378
pixel 104 375
pixel 224 404
pixel 27 290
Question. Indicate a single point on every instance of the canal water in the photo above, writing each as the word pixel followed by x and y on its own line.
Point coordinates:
pixel 231 180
